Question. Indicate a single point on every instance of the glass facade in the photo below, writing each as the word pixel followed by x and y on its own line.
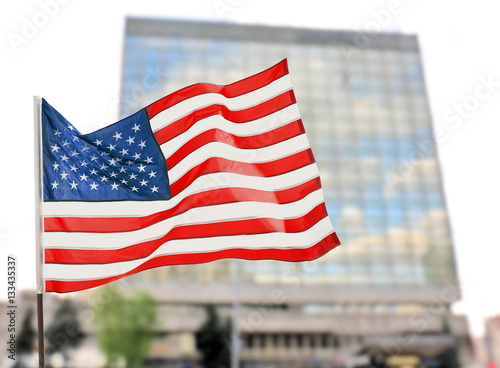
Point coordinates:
pixel 367 118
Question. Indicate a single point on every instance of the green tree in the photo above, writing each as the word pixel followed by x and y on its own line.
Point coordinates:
pixel 125 326
pixel 26 338
pixel 213 339
pixel 64 331
pixel 450 357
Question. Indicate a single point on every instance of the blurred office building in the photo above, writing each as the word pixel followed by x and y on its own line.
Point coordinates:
pixel 492 341
pixel 388 290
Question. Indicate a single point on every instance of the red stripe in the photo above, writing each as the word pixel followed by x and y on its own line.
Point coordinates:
pixel 211 197
pixel 290 255
pixel 264 169
pixel 266 139
pixel 223 228
pixel 207 198
pixel 237 116
pixel 238 88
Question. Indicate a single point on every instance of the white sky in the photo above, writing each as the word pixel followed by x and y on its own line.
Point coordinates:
pixel 73 61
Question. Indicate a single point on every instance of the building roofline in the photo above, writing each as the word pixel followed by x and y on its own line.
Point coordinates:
pixel 162 27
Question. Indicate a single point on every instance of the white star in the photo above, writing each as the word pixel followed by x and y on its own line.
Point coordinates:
pixel 93 158
pixel 117 136
pixel 65 143
pixel 94 186
pixel 64 158
pixel 123 181
pixel 57 132
pixel 123 169
pixel 83 177
pixel 149 160
pixel 137 156
pixel 70 127
pixel 84 163
pixel 55 185
pixel 64 175
pixel 141 168
pixel 143 182
pixel 124 151
pixel 133 176
pixel 152 174
pixel 73 185
pixel 130 140
pixel 73 168
pixel 112 162
pixel 98 142
pixel 93 172
pixel 136 128
pixel 74 153
pixel 75 138
pixel 134 189
pixel 56 166
pixel 103 178
pixel 142 144
pixel 154 189
pixel 103 167
pixel 86 148
pixel 111 147
pixel 113 174
pixel 55 147
pixel 114 186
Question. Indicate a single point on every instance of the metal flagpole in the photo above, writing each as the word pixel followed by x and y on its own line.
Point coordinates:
pixel 37 104
pixel 235 333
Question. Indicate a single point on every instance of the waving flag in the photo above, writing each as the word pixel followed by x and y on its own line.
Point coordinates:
pixel 205 173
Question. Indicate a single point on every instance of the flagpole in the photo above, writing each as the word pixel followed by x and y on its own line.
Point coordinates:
pixel 37 104
pixel 235 333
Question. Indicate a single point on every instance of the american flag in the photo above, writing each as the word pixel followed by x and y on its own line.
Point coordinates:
pixel 205 173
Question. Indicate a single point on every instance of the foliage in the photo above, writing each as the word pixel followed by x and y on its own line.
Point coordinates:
pixel 378 361
pixel 27 334
pixel 26 338
pixel 64 331
pixel 213 340
pixel 125 326
pixel 450 357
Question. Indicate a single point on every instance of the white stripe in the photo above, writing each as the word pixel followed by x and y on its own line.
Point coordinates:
pixel 183 108
pixel 259 241
pixel 258 126
pixel 201 184
pixel 210 214
pixel 222 150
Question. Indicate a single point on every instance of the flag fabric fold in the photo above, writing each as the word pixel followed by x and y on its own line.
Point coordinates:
pixel 205 173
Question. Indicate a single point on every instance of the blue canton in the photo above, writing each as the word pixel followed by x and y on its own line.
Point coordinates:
pixel 117 163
